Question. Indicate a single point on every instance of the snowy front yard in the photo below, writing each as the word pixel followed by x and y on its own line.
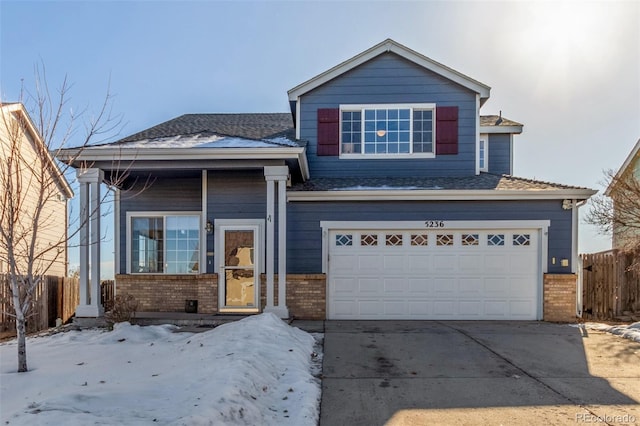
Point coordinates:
pixel 254 371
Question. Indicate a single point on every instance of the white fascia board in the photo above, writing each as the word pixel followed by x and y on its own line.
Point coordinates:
pixel 327 225
pixel 627 162
pixel 439 195
pixel 152 154
pixel 501 129
pixel 390 46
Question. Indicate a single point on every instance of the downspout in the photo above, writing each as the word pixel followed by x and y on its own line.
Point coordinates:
pixel 576 262
pixel 116 238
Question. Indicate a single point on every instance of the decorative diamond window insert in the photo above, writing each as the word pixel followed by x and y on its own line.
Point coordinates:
pixel 368 240
pixel 521 239
pixel 444 240
pixel 419 239
pixel 344 240
pixel 394 240
pixel 495 239
pixel 470 239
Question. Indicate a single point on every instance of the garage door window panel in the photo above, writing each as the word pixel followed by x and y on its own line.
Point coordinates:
pixel 370 240
pixel 343 240
pixel 495 240
pixel 521 239
pixel 444 239
pixel 419 239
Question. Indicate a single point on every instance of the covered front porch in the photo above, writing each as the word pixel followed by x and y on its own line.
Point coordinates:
pixel 169 251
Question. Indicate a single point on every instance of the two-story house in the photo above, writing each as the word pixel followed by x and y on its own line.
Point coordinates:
pixel 34 194
pixel 623 188
pixel 384 194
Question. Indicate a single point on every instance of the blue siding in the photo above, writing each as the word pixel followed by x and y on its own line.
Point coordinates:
pixel 500 154
pixel 164 195
pixel 391 79
pixel 304 246
pixel 235 195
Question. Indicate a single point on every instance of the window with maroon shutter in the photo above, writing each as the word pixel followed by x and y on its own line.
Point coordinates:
pixel 446 130
pixel 328 131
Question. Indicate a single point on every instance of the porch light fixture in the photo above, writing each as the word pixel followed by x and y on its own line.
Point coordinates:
pixel 209 227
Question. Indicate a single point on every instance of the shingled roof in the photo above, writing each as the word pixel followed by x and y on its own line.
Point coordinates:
pixel 497 120
pixel 257 126
pixel 484 181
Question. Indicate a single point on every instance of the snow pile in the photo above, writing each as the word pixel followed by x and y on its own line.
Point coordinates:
pixel 254 371
pixel 631 331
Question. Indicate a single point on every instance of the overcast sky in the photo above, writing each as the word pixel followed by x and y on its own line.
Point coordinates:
pixel 568 70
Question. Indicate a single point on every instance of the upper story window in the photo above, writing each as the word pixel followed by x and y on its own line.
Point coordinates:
pixel 483 153
pixel 387 130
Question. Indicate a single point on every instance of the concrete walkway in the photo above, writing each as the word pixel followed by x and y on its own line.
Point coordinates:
pixel 427 372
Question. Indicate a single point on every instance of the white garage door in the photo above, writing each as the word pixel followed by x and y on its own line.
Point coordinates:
pixel 435 274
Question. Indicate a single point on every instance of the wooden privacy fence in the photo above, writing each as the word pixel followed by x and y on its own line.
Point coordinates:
pixel 54 297
pixel 609 288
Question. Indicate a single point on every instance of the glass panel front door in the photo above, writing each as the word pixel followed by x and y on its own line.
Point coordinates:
pixel 239 274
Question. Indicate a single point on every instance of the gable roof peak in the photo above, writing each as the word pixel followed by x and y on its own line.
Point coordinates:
pixel 635 153
pixel 386 46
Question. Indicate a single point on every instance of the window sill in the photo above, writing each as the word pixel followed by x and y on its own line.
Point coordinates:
pixel 385 156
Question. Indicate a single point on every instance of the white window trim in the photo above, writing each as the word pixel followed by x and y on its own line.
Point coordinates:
pixel 483 138
pixel 411 106
pixel 163 214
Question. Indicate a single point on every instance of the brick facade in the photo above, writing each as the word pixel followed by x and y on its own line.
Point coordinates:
pixel 560 297
pixel 306 293
pixel 167 293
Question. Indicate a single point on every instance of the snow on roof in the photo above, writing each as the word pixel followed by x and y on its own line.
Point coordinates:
pixel 200 140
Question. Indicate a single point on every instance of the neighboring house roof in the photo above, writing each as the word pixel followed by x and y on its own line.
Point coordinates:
pixel 485 185
pixel 499 124
pixel 390 45
pixel 256 126
pixel 633 156
pixel 18 108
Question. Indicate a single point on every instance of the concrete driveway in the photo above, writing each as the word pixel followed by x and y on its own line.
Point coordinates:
pixel 428 372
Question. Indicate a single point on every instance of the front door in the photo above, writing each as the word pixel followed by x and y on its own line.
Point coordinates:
pixel 238 274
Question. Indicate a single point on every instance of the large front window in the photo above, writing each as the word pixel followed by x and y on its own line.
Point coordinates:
pixel 167 244
pixel 387 129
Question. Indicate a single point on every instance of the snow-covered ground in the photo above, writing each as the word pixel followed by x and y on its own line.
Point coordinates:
pixel 631 331
pixel 254 371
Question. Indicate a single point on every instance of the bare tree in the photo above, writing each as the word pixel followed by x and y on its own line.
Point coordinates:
pixel 619 214
pixel 31 186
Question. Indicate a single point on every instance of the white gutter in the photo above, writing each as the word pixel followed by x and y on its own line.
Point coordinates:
pixel 501 129
pixel 88 154
pixel 576 262
pixel 186 154
pixel 439 194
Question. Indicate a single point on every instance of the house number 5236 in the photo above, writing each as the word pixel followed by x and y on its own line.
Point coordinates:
pixel 434 224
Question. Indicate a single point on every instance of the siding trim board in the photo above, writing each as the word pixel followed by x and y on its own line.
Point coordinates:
pixel 438 195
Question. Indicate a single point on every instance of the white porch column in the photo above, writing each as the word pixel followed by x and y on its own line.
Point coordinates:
pixel 272 175
pixel 90 180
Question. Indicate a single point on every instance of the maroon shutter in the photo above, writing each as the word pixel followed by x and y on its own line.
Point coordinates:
pixel 447 130
pixel 328 131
